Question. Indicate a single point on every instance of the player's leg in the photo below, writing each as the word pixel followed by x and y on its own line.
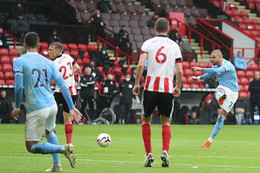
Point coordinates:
pixel 227 105
pixel 165 107
pixel 148 105
pixel 67 120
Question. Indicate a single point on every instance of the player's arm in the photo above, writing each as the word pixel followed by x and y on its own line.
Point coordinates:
pixel 76 67
pixel 139 73
pixel 214 71
pixel 76 115
pixel 179 75
pixel 18 89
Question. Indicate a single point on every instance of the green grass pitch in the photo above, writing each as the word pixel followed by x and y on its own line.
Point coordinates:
pixel 236 149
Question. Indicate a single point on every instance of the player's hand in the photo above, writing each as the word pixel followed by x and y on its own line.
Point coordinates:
pixel 194 78
pixel 15 114
pixel 136 90
pixel 177 92
pixel 75 115
pixel 195 68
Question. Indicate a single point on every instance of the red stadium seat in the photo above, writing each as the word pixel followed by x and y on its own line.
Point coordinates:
pixel 195 86
pixel 14 52
pixel 86 61
pixel 2 82
pixel 5 60
pixel 7 67
pixel 72 46
pixel 243 94
pixel 253 67
pixel 10 82
pixel 240 73
pixel 9 75
pixel 246 87
pixel 82 47
pixel 79 61
pixel 185 65
pixel 188 72
pixel 4 52
pixel 184 79
pixel 244 81
pixel 91 47
pixel 2 75
pixel 209 65
pixel 1 68
pixel 249 74
pixel 202 65
pixel 44 45
pixel 241 88
pixel 193 64
pixel 100 68
pixel 65 46
pixel 74 54
pixel 189 81
pixel 118 70
pixel 186 85
pixel 86 55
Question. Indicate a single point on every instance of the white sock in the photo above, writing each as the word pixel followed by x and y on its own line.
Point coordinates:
pixel 210 139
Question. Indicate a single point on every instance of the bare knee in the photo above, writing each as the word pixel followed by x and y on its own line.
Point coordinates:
pixel 66 117
pixel 146 119
pixel 165 120
pixel 29 144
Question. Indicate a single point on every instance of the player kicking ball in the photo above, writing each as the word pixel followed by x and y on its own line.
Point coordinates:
pixel 226 93
pixel 162 54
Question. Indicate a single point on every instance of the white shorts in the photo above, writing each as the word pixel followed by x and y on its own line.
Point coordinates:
pixel 231 98
pixel 39 120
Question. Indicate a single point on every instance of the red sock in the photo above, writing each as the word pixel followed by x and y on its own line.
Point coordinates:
pixel 146 131
pixel 68 131
pixel 166 136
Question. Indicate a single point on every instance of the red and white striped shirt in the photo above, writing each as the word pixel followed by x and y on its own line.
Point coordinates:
pixel 64 64
pixel 163 53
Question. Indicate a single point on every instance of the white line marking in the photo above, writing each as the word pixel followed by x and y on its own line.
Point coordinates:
pixel 139 162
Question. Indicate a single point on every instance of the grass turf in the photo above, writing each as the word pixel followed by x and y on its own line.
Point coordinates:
pixel 236 149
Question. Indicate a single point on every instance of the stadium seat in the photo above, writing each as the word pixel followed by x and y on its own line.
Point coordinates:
pixel 5 60
pixel 186 86
pixel 240 73
pixel 79 61
pixel 253 67
pixel 14 52
pixel 2 75
pixel 202 65
pixel 43 45
pixel 243 94
pixel 2 82
pixel 10 82
pixel 244 81
pixel 195 86
pixel 91 47
pixel 86 60
pixel 4 52
pixel 72 46
pixel 82 47
pixel 9 75
pixel 7 67
pixel 241 88
pixel 188 72
pixel 193 64
pixel 249 74
pixel 74 54
pixel 184 79
pixel 185 65
pixel 246 87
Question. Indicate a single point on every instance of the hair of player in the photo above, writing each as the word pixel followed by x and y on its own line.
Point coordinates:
pixel 31 39
pixel 58 46
pixel 162 25
pixel 218 52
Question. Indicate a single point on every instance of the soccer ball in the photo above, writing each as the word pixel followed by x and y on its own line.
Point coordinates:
pixel 104 140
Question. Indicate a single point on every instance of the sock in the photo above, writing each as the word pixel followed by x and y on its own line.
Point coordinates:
pixel 166 136
pixel 68 131
pixel 146 132
pixel 52 138
pixel 219 124
pixel 46 148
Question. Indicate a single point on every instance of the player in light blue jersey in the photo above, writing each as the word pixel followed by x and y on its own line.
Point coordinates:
pixel 33 74
pixel 227 91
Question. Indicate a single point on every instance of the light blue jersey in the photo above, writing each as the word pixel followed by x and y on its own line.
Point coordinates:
pixel 226 75
pixel 33 74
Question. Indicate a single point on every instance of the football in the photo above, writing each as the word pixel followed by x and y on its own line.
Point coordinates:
pixel 104 140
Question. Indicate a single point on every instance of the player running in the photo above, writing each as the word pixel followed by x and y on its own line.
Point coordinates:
pixel 33 74
pixel 66 66
pixel 226 93
pixel 162 54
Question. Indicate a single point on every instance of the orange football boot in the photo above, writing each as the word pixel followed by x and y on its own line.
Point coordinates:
pixel 207 144
pixel 221 99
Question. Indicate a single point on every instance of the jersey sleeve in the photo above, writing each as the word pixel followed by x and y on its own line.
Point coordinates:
pixel 18 77
pixel 144 47
pixel 178 53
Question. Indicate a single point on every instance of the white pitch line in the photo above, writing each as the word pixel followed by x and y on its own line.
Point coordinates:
pixel 139 162
pixel 135 155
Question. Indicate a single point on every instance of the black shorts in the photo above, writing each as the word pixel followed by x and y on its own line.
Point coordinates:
pixel 60 100
pixel 163 101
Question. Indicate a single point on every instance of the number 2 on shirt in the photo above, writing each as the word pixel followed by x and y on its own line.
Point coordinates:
pixel 64 69
pixel 162 56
